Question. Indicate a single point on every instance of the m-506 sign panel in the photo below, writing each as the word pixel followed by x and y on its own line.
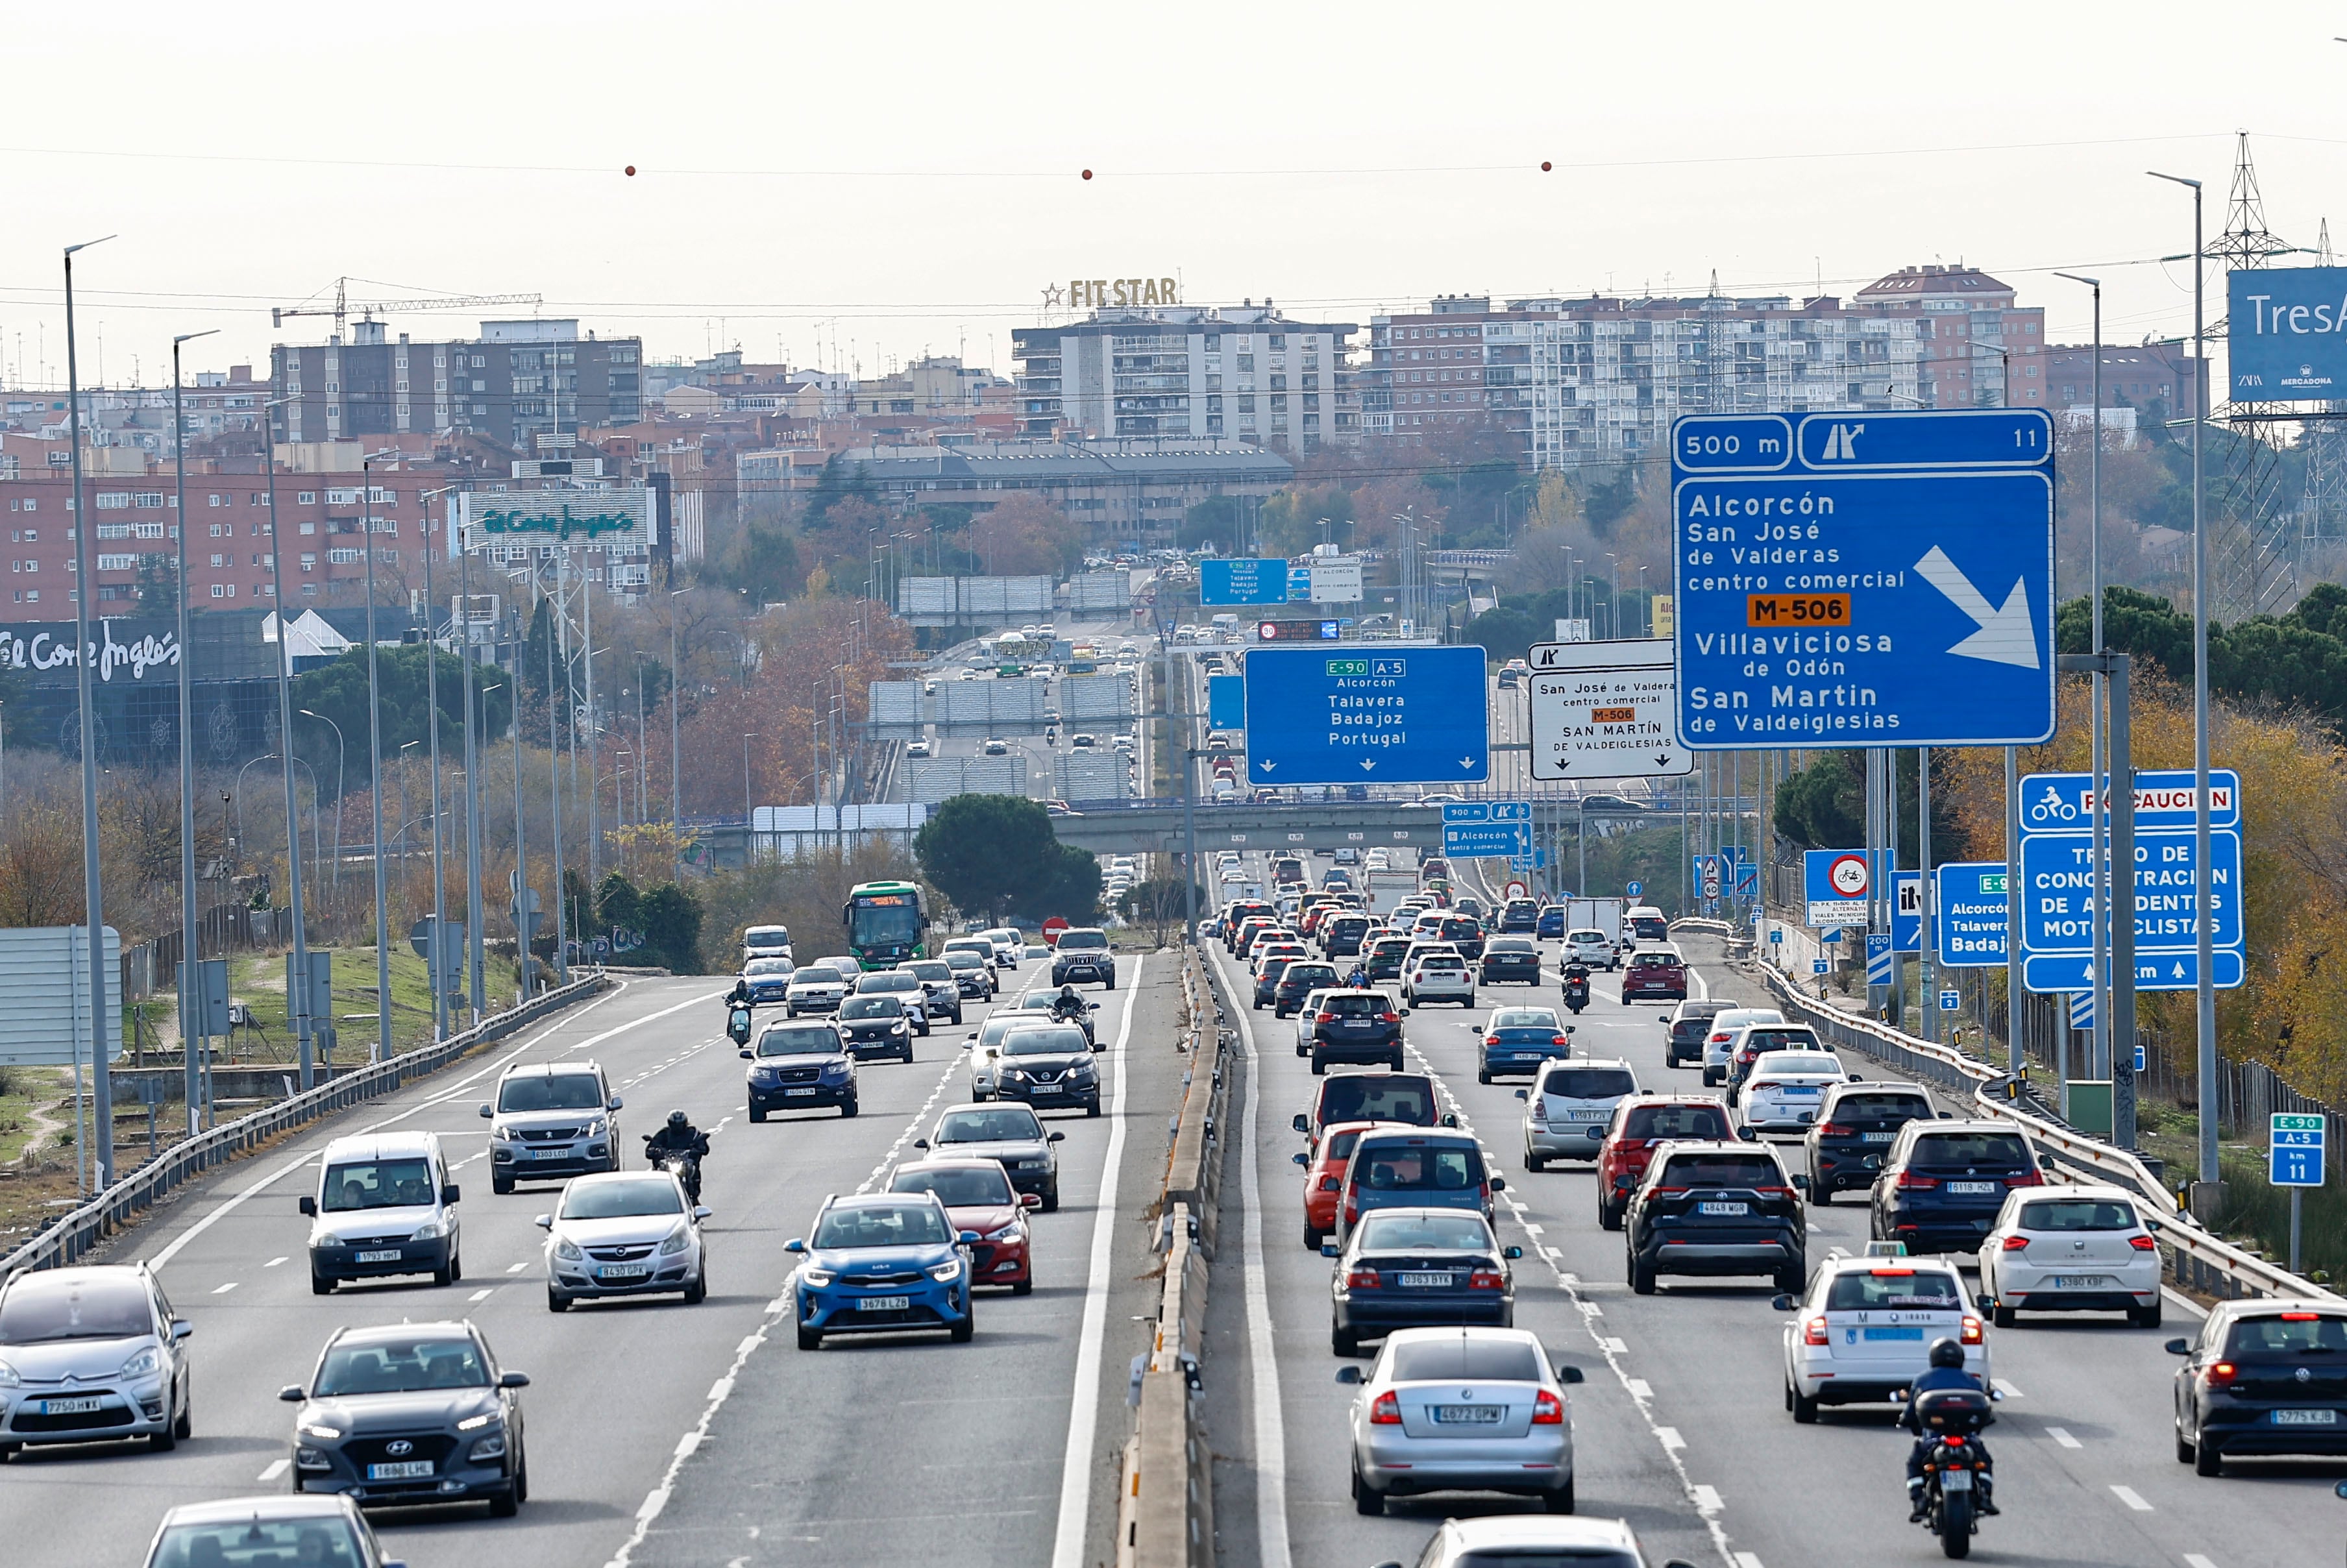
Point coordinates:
pixel 1603 709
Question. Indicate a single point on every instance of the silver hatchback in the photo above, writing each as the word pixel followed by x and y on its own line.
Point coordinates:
pixel 1461 1409
pixel 92 1355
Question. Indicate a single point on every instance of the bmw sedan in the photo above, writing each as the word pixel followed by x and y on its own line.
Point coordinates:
pixel 92 1355
pixel 628 1232
pixel 1461 1409
pixel 881 1263
pixel 411 1413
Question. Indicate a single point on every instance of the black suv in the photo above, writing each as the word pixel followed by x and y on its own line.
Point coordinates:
pixel 1686 1028
pixel 1716 1208
pixel 2263 1378
pixel 1299 979
pixel 1357 1026
pixel 1509 959
pixel 1464 932
pixel 1854 1131
pixel 1081 953
pixel 1943 1182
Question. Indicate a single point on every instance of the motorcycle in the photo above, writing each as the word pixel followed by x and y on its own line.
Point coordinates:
pixel 1576 989
pixel 737 1023
pixel 1956 1472
pixel 685 1163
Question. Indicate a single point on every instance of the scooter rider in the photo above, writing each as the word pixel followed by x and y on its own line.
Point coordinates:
pixel 739 997
pixel 1947 1372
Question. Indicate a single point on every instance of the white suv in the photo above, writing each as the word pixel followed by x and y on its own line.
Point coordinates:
pixel 1591 947
pixel 1442 976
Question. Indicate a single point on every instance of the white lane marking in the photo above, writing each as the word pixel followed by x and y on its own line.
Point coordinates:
pixel 1640 1390
pixel 1669 1436
pixel 517 1268
pixel 237 1200
pixel 2194 1559
pixel 2060 1436
pixel 2007 1390
pixel 277 1466
pixel 481 1295
pixel 1706 1499
pixel 224 1290
pixel 2129 1496
pixel 1263 1362
pixel 1748 1560
pixel 1084 1416
pixel 273 1262
pixel 1614 1347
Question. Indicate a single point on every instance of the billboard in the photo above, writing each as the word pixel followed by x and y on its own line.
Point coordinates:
pixel 44 995
pixel 2287 334
pixel 614 520
pixel 895 703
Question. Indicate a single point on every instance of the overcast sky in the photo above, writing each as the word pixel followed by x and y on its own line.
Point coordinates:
pixel 903 180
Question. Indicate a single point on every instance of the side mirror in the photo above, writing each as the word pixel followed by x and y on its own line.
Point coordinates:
pixel 1858 1078
pixel 2151 1224
pixel 1947 1115
pixel 544 1222
pixel 1030 1200
pixel 310 1206
pixel 2178 1347
pixel 1057 1138
pixel 920 1142
pixel 1304 1160
pixel 616 1102
pixel 1451 1119
pixel 794 1244
pixel 1800 1181
pixel 703 1214
pixel 1499 1184
pixel 449 1194
pixel 749 1056
pixel 1349 1376
pixel 1570 1375
pixel 1300 1125
pixel 1511 1253
pixel 181 1328
pixel 1524 1094
pixel 513 1380
pixel 2341 1489
pixel 1328 1249
pixel 966 1239
pixel 485 1111
pixel 292 1393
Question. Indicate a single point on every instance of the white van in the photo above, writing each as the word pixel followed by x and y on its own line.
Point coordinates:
pixel 384 1205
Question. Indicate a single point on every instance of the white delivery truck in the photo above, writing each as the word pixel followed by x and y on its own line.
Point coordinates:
pixel 1594 915
pixel 1386 887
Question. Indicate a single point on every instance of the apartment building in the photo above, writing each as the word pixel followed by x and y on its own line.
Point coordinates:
pixel 529 386
pixel 1976 347
pixel 1242 372
pixel 1130 488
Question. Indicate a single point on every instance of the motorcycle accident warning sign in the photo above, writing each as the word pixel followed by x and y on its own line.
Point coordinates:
pixel 1605 710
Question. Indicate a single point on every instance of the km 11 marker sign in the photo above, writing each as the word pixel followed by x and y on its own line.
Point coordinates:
pixel 1883 579
pixel 1412 716
pixel 1604 710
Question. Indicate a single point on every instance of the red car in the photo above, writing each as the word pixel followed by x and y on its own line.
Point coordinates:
pixel 1654 974
pixel 1643 1123
pixel 978 1197
pixel 1324 1178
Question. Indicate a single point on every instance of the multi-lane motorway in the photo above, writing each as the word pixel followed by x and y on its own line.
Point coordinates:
pixel 662 1433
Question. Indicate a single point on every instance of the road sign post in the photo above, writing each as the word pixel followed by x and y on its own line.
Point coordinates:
pixel 1860 581
pixel 1242 581
pixel 1605 710
pixel 1412 716
pixel 2294 1157
pixel 1968 904
pixel 1836 885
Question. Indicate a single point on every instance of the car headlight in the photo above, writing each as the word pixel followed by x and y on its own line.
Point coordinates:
pixel 598 1127
pixel 564 1248
pixel 1017 1072
pixel 323 1434
pixel 1082 1070
pixel 946 1272
pixel 500 1132
pixel 764 1075
pixel 490 1447
pixel 430 1230
pixel 9 1377
pixel 475 1423
pixel 817 1278
pixel 325 1238
pixel 1014 1230
pixel 145 1364
pixel 834 1069
pixel 676 1242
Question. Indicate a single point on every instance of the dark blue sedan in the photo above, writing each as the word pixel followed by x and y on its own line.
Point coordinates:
pixel 769 980
pixel 1521 1040
pixel 1552 922
pixel 1419 1268
pixel 882 1263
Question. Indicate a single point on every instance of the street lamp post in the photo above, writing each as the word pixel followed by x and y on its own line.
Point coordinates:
pixel 374 768
pixel 2204 987
pixel 675 809
pixel 439 961
pixel 297 1000
pixel 554 752
pixel 2104 1040
pixel 336 889
pixel 747 841
pixel 93 895
pixel 191 1023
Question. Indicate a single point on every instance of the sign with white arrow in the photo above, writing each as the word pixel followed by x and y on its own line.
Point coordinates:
pixel 1357 715
pixel 1884 579
pixel 1604 710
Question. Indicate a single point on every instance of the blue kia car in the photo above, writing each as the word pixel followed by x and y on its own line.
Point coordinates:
pixel 882 1263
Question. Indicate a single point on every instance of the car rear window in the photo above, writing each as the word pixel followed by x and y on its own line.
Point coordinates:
pixel 1379 1097
pixel 1872 1105
pixel 1354 1006
pixel 1453 930
pixel 1457 1232
pixel 1524 1017
pixel 1340 1146
pixel 1857 1291
pixel 2288 1334
pixel 1652 961
pixel 1676 1122
pixel 1509 945
pixel 1791 1063
pixel 2078 1215
pixel 1420 1167
pixel 1956 1150
pixel 1781 1040
pixel 1310 975
pixel 1589 1083
pixel 1073 939
pixel 1474 1360
pixel 1723 1170
pixel 1441 962
pixel 1547 1557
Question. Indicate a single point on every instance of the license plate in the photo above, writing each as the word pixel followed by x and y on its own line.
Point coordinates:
pixel 70 1406
pixel 884 1304
pixel 1723 1208
pixel 401 1470
pixel 549 1154
pixel 623 1271
pixel 1956 1481
pixel 1971 1189
pixel 2081 1281
pixel 788 1092
pixel 1893 1334
pixel 1874 1138
pixel 1590 1115
pixel 1797 1091
pixel 391 1255
pixel 2280 1417
pixel 1467 1414
pixel 1421 1280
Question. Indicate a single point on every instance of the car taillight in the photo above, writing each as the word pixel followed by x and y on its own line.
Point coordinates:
pixel 1558 1039
pixel 1774 1192
pixel 1361 1280
pixel 1909 1181
pixel 1386 1412
pixel 1491 1039
pixel 1486 1279
pixel 2221 1373
pixel 2140 1242
pixel 1548 1410
pixel 1540 1112
pixel 2301 1318
pixel 1834 1130
pixel 1352 1207
pixel 1389 1018
pixel 2026 1179
pixel 1669 1192
pixel 2016 1242
pixel 1324 1018
pixel 1971 1331
pixel 1813 1332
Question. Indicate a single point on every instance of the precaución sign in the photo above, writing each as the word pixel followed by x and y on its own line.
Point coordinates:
pixel 1604 710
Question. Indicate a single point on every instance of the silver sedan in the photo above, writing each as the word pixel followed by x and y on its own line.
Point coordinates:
pixel 624 1233
pixel 1461 1409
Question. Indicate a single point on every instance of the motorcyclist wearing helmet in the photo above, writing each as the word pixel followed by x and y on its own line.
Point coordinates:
pixel 1067 1006
pixel 739 997
pixel 1947 1372
pixel 679 1137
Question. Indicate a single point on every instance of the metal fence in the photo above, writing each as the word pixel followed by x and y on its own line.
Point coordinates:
pixel 74 1234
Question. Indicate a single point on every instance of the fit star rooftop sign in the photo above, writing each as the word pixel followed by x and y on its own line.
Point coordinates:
pixel 1103 293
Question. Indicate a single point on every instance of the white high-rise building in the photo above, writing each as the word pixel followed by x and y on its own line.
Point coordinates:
pixel 1246 373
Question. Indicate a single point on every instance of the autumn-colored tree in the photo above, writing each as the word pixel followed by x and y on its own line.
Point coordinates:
pixel 1024 537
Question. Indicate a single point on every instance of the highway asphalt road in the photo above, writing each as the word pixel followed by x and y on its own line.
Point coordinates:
pixel 1681 1428
pixel 661 1433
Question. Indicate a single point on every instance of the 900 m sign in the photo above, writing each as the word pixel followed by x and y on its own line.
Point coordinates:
pixel 1797 610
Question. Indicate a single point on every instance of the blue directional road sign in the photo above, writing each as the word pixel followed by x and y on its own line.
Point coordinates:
pixel 1906 911
pixel 1317 715
pixel 2296 1150
pixel 1855 580
pixel 1226 701
pixel 1878 958
pixel 1242 581
pixel 1633 888
pixel 1968 906
pixel 1818 966
pixel 1951 1001
pixel 1480 829
pixel 1486 811
pixel 2065 803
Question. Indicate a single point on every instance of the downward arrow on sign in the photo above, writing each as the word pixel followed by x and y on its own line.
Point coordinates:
pixel 2006 636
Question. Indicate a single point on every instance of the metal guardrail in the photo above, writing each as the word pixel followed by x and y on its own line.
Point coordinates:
pixel 76 1233
pixel 2196 1259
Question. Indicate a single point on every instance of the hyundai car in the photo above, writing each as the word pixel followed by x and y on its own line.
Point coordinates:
pixel 799 1067
pixel 411 1413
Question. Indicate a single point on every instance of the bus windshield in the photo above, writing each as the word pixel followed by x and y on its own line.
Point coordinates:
pixel 884 921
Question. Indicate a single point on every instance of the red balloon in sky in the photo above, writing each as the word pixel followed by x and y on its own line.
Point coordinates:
pixel 1088 174
pixel 631 171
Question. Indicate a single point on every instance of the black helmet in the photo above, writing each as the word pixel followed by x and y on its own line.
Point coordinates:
pixel 1067 993
pixel 1946 1352
pixel 677 1119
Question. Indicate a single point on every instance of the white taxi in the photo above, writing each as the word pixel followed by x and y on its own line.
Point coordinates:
pixel 1787 1087
pixel 1864 1329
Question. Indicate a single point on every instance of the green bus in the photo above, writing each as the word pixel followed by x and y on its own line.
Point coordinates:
pixel 886 924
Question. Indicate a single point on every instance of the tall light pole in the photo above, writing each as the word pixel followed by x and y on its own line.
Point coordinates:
pixel 436 965
pixel 554 752
pixel 101 1100
pixel 2204 984
pixel 297 1000
pixel 191 1022
pixel 374 769
pixel 2104 1042
pixel 473 744
pixel 337 890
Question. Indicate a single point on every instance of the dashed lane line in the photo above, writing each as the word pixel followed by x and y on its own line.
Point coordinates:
pixel 2060 1436
pixel 274 1469
pixel 2132 1498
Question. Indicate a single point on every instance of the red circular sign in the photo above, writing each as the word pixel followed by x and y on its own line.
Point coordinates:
pixel 1850 876
pixel 1051 929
